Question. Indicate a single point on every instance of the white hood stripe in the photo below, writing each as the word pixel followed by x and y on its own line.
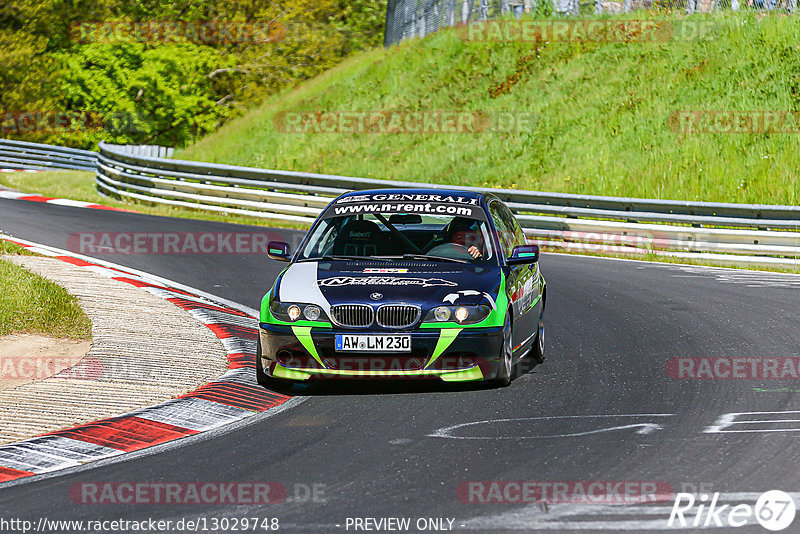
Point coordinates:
pixel 299 284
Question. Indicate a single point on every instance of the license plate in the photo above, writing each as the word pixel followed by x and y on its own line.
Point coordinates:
pixel 388 343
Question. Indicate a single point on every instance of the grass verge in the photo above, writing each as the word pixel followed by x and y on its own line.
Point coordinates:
pixel 601 115
pixel 31 304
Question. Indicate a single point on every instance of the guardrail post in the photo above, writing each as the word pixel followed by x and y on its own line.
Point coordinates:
pixel 484 10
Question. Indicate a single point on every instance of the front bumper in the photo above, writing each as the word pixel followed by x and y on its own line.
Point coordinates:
pixel 449 354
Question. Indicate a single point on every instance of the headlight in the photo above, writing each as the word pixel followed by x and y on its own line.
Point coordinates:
pixel 442 313
pixel 460 314
pixel 311 312
pixel 290 312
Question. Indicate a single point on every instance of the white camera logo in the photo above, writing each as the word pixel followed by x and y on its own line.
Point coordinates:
pixel 774 510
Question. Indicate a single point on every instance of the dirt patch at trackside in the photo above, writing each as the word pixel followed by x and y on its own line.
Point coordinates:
pixel 26 358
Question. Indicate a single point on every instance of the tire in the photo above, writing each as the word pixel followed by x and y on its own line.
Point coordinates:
pixel 505 370
pixel 261 376
pixel 537 352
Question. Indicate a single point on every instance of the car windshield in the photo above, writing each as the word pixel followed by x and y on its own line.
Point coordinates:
pixel 400 236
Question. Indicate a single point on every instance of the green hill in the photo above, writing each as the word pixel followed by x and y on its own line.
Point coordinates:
pixel 601 115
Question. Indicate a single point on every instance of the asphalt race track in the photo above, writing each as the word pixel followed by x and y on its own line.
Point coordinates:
pixel 601 408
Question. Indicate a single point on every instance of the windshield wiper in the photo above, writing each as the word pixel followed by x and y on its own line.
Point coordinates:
pixel 383 258
pixel 344 258
pixel 428 257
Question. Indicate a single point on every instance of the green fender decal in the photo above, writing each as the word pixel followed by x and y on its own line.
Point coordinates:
pixel 265 313
pixel 267 317
pixel 303 334
pixel 496 317
pixel 446 337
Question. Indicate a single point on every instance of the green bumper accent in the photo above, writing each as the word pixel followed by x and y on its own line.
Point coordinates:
pixel 289 374
pixel 303 334
pixel 467 375
pixel 446 337
pixel 463 375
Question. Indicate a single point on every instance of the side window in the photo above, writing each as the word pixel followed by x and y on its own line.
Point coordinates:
pixel 504 231
pixel 513 224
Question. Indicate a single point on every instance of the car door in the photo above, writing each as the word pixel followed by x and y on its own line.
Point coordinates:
pixel 524 281
pixel 530 279
pixel 516 275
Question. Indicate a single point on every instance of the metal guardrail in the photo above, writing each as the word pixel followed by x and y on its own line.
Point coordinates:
pixel 721 233
pixel 35 156
pixel 724 233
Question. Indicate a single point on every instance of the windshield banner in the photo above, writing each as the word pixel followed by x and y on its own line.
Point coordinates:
pixel 423 204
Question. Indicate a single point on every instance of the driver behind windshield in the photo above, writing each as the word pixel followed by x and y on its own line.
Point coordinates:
pixel 447 238
pixel 466 233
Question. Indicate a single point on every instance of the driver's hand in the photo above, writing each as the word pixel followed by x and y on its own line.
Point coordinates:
pixel 474 252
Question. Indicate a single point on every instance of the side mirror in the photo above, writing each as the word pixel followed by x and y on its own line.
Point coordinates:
pixel 278 250
pixel 524 254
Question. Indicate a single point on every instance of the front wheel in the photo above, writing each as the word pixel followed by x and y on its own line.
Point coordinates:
pixel 538 344
pixel 261 376
pixel 503 377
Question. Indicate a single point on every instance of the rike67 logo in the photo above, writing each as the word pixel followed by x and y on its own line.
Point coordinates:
pixel 774 510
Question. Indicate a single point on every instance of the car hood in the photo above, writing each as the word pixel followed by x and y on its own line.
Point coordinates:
pixel 427 284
